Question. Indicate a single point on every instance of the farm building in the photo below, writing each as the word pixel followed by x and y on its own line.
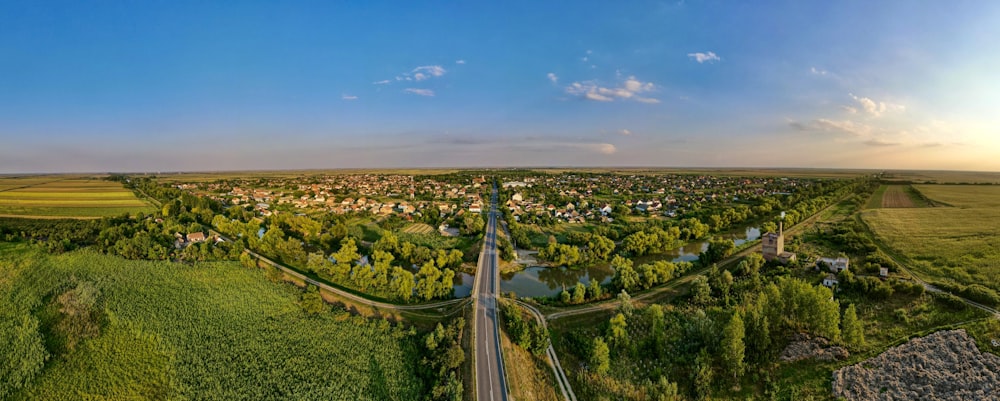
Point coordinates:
pixel 773 247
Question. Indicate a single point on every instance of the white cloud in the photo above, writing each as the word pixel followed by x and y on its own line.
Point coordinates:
pixel 625 132
pixel 431 70
pixel 419 76
pixel 421 92
pixel 817 71
pixel 704 57
pixel 597 147
pixel 876 109
pixel 459 61
pixel 849 109
pixel 843 126
pixel 629 90
pixel 552 77
pixel 382 82
pixel 348 97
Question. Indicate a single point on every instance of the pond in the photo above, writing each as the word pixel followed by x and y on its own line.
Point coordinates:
pixel 540 281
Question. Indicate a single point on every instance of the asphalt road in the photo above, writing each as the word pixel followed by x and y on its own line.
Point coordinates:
pixel 491 384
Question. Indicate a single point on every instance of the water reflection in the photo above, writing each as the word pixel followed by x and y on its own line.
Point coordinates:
pixel 538 281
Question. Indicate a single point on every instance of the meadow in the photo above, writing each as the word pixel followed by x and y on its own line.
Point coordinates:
pixel 947 244
pixel 160 330
pixel 61 196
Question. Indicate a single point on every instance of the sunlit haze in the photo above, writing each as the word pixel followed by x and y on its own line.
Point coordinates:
pixel 135 86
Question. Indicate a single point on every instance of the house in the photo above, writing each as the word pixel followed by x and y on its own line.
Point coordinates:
pixel 606 210
pixel 883 272
pixel 830 280
pixel 196 237
pixel 835 265
pixel 517 197
pixel 475 208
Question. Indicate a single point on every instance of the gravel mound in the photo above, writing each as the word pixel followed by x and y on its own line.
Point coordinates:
pixel 945 365
pixel 804 347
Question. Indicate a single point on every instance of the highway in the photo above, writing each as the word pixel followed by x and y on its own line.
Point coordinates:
pixel 491 384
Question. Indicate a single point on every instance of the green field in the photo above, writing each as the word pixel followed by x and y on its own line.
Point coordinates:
pixel 960 243
pixel 175 331
pixel 67 197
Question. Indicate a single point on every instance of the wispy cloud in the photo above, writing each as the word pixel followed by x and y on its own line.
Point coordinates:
pixel 382 82
pixel 348 97
pixel 552 77
pixel 876 109
pixel 843 126
pixel 418 91
pixel 459 61
pixel 706 57
pixel 423 72
pixel 630 89
pixel 625 132
pixel 880 142
pixel 818 71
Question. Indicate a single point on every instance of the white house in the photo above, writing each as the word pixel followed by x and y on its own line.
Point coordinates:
pixel 834 265
pixel 830 280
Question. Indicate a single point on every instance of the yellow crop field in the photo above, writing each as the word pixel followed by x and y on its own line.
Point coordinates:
pixel 960 243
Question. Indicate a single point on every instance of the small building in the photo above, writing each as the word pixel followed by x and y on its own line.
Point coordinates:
pixel 196 237
pixel 835 265
pixel 475 208
pixel 786 258
pixel 883 272
pixel 517 197
pixel 830 280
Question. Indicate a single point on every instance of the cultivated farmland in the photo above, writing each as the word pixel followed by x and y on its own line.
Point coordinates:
pixel 59 196
pixel 947 244
pixel 419 228
pixel 901 196
pixel 160 330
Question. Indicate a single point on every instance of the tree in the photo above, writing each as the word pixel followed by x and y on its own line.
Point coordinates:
pixel 701 292
pixel 723 282
pixel 579 293
pixel 733 347
pixel 594 288
pixel 565 297
pixel 758 335
pixel 626 306
pixel 402 283
pixel 617 330
pixel 600 247
pixel 473 223
pixel 312 301
pixel 427 281
pixel 703 375
pixel 626 277
pixel 851 328
pixel 600 357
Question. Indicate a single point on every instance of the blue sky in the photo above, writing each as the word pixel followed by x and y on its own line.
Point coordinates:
pixel 149 86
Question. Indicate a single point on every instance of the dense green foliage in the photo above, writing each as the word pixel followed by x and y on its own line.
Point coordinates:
pixel 526 333
pixel 164 330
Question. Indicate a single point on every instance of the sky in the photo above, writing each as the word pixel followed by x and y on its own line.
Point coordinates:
pixel 211 85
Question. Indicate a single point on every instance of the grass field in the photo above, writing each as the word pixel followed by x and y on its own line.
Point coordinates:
pixel 959 243
pixel 174 331
pixel 67 197
pixel 966 177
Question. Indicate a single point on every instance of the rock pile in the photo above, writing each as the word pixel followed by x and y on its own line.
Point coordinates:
pixel 945 365
pixel 804 347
